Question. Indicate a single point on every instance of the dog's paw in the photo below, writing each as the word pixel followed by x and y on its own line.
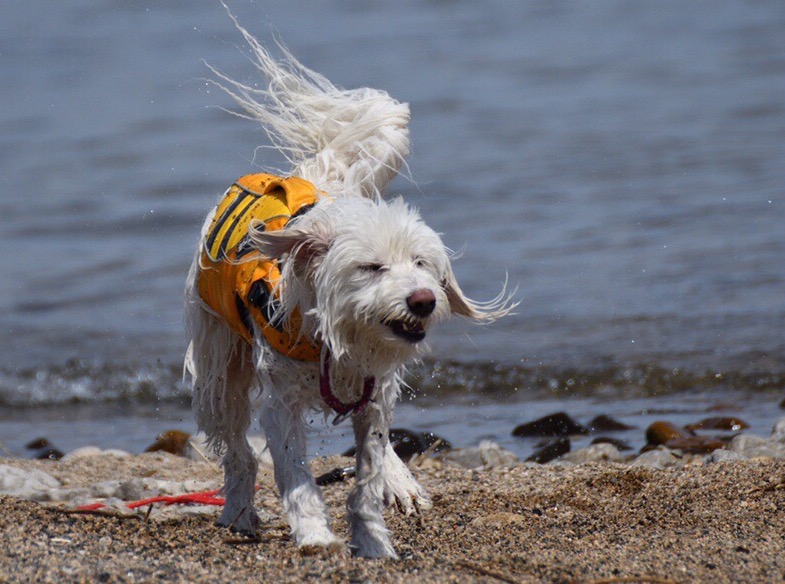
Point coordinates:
pixel 371 541
pixel 310 529
pixel 410 503
pixel 313 544
pixel 244 521
pixel 403 492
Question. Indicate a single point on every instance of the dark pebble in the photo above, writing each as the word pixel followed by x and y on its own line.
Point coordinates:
pixel 552 450
pixel 337 475
pixel 171 441
pixel 695 444
pixel 38 443
pixel 719 423
pixel 50 453
pixel 559 424
pixel 603 423
pixel 431 440
pixel 660 432
pixel 620 444
pixel 45 450
pixel 407 443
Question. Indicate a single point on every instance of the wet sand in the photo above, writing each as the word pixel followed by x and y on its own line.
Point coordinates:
pixel 596 522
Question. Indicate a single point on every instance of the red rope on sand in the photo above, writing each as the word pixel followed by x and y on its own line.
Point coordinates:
pixel 201 498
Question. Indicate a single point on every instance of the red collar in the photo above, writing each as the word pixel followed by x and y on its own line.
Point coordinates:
pixel 343 410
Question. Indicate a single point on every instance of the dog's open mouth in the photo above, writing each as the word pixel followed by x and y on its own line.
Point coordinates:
pixel 413 332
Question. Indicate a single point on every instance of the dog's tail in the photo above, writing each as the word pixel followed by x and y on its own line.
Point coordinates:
pixel 346 142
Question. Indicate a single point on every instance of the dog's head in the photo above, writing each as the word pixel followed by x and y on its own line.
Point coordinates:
pixel 369 277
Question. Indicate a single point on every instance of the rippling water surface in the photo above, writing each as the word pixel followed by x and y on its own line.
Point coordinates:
pixel 622 164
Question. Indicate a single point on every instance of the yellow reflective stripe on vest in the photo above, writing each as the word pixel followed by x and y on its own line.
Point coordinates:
pixel 234 215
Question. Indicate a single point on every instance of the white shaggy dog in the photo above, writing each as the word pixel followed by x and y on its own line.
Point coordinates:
pixel 361 281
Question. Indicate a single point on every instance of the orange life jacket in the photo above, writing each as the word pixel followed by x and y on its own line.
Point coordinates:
pixel 242 289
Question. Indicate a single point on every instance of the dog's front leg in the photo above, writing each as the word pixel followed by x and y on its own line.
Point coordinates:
pixel 370 537
pixel 301 498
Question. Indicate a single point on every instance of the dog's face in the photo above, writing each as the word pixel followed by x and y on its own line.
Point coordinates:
pixel 372 276
pixel 383 275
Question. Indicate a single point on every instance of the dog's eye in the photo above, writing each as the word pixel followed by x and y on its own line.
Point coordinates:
pixel 420 263
pixel 373 267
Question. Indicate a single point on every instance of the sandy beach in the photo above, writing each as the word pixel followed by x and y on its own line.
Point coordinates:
pixel 698 521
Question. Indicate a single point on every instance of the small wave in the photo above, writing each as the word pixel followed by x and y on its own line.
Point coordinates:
pixel 635 380
pixel 81 381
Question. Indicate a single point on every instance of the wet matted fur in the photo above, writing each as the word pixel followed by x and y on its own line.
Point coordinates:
pixel 369 279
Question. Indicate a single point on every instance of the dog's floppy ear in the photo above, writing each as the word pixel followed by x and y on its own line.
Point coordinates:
pixel 459 304
pixel 483 312
pixel 303 246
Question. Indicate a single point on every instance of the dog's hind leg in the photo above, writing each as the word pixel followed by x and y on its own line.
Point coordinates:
pixel 281 419
pixel 240 468
pixel 239 461
pixel 222 373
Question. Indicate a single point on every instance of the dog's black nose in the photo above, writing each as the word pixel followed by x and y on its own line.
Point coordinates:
pixel 421 302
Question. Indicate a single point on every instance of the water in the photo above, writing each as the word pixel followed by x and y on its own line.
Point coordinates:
pixel 623 164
